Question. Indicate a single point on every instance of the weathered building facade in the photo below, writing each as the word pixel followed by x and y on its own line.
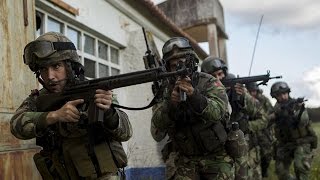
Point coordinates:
pixel 108 36
pixel 202 19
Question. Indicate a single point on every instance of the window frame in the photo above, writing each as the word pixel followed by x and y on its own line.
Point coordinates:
pixel 80 51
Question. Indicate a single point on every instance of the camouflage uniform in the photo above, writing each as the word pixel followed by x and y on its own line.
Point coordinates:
pixel 295 141
pixel 266 137
pixel 195 148
pixel 65 153
pixel 251 119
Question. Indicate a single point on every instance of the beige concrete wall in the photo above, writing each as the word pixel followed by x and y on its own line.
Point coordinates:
pixel 16 82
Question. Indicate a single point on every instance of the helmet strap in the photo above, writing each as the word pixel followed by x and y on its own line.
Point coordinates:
pixel 40 80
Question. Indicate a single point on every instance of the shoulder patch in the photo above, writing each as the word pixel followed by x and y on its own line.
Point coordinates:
pixel 217 83
pixel 34 92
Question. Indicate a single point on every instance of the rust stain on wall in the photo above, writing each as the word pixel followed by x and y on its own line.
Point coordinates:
pixel 18 165
pixel 4 47
pixel 7 139
pixel 16 77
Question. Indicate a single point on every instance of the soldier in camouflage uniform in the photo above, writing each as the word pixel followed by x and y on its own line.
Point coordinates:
pixel 196 126
pixel 248 113
pixel 294 133
pixel 265 136
pixel 54 59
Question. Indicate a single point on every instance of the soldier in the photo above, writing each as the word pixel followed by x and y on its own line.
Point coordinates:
pixel 195 125
pixel 248 113
pixel 294 133
pixel 54 60
pixel 265 136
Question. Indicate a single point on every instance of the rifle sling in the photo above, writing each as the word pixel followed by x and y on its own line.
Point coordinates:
pixel 153 102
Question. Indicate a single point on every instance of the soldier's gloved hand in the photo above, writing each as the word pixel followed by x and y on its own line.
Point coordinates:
pixel 185 85
pixel 272 116
pixel 239 88
pixel 103 99
pixel 67 113
pixel 182 84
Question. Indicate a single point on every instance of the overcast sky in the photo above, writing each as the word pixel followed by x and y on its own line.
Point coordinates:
pixel 288 42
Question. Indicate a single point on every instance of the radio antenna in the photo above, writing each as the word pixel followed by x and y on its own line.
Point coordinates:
pixel 255 44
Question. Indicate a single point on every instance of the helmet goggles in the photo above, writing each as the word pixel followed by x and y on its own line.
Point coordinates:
pixel 278 88
pixel 43 49
pixel 179 42
pixel 217 64
pixel 281 86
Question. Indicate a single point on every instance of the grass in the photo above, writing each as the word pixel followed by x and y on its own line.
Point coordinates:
pixel 315 169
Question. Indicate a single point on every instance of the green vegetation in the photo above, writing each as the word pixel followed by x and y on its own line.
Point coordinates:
pixel 315 170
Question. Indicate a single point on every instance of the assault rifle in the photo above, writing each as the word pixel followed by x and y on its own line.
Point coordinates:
pixel 86 90
pixel 236 101
pixel 249 79
pixel 292 102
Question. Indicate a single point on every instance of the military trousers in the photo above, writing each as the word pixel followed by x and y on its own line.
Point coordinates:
pixel 219 167
pixel 300 155
pixel 254 164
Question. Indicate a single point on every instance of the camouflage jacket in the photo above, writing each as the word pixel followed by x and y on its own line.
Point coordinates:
pixel 27 123
pixel 291 124
pixel 72 141
pixel 251 116
pixel 197 123
pixel 265 103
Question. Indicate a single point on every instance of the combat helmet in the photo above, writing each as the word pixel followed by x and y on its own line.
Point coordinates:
pixel 212 64
pixel 178 47
pixel 49 48
pixel 279 87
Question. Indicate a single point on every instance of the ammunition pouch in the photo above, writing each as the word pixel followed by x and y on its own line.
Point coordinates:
pixel 312 133
pixel 200 138
pixel 167 149
pixel 243 123
pixel 49 166
pixel 253 141
pixel 116 149
pixel 213 138
pixel 314 144
pixel 118 154
pixel 50 139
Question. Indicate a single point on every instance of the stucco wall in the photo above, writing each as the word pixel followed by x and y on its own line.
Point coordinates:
pixel 16 82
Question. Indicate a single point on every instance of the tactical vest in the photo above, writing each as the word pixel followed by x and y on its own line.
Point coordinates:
pixel 286 130
pixel 194 136
pixel 65 152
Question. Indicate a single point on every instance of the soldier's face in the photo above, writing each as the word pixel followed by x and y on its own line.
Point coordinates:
pixel 219 74
pixel 54 76
pixel 282 97
pixel 173 63
pixel 253 93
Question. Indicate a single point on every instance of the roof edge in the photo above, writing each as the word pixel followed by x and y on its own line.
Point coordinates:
pixel 156 11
